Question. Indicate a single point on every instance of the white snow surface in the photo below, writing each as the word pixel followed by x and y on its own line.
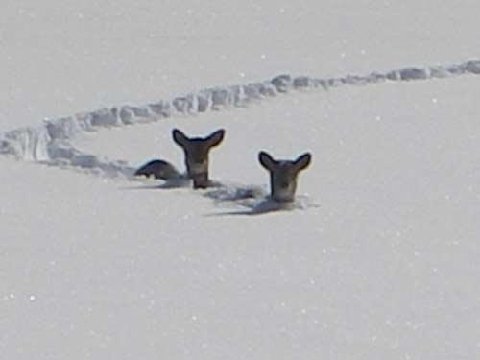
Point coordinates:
pixel 378 259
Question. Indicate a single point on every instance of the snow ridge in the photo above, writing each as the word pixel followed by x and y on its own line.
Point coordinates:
pixel 49 143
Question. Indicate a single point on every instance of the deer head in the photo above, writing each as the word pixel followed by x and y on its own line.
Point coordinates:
pixel 196 154
pixel 283 175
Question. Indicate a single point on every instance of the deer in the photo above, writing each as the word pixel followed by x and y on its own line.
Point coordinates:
pixel 196 151
pixel 283 175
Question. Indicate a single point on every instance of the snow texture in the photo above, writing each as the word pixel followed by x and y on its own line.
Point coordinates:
pixel 50 142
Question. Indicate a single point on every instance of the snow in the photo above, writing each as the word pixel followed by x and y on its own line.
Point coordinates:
pixel 377 261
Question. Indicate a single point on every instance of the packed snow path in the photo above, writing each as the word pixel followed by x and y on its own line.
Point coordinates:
pixel 50 142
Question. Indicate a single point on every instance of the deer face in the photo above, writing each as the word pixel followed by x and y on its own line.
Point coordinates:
pixel 196 154
pixel 283 175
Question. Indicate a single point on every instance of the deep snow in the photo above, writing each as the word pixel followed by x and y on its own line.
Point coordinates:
pixel 385 267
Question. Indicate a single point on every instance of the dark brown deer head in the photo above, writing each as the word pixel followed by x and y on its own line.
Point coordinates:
pixel 283 175
pixel 196 152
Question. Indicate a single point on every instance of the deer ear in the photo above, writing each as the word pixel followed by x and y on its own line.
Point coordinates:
pixel 303 161
pixel 267 161
pixel 215 138
pixel 179 137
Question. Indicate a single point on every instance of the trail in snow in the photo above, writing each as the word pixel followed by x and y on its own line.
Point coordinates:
pixel 50 142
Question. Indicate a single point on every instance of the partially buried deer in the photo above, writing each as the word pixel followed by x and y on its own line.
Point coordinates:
pixel 196 152
pixel 283 175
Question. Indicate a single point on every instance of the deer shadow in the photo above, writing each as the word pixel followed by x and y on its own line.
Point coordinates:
pixel 266 206
pixel 248 200
pixel 149 184
pixel 252 200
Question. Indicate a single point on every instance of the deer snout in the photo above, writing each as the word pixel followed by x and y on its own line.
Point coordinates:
pixel 196 168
